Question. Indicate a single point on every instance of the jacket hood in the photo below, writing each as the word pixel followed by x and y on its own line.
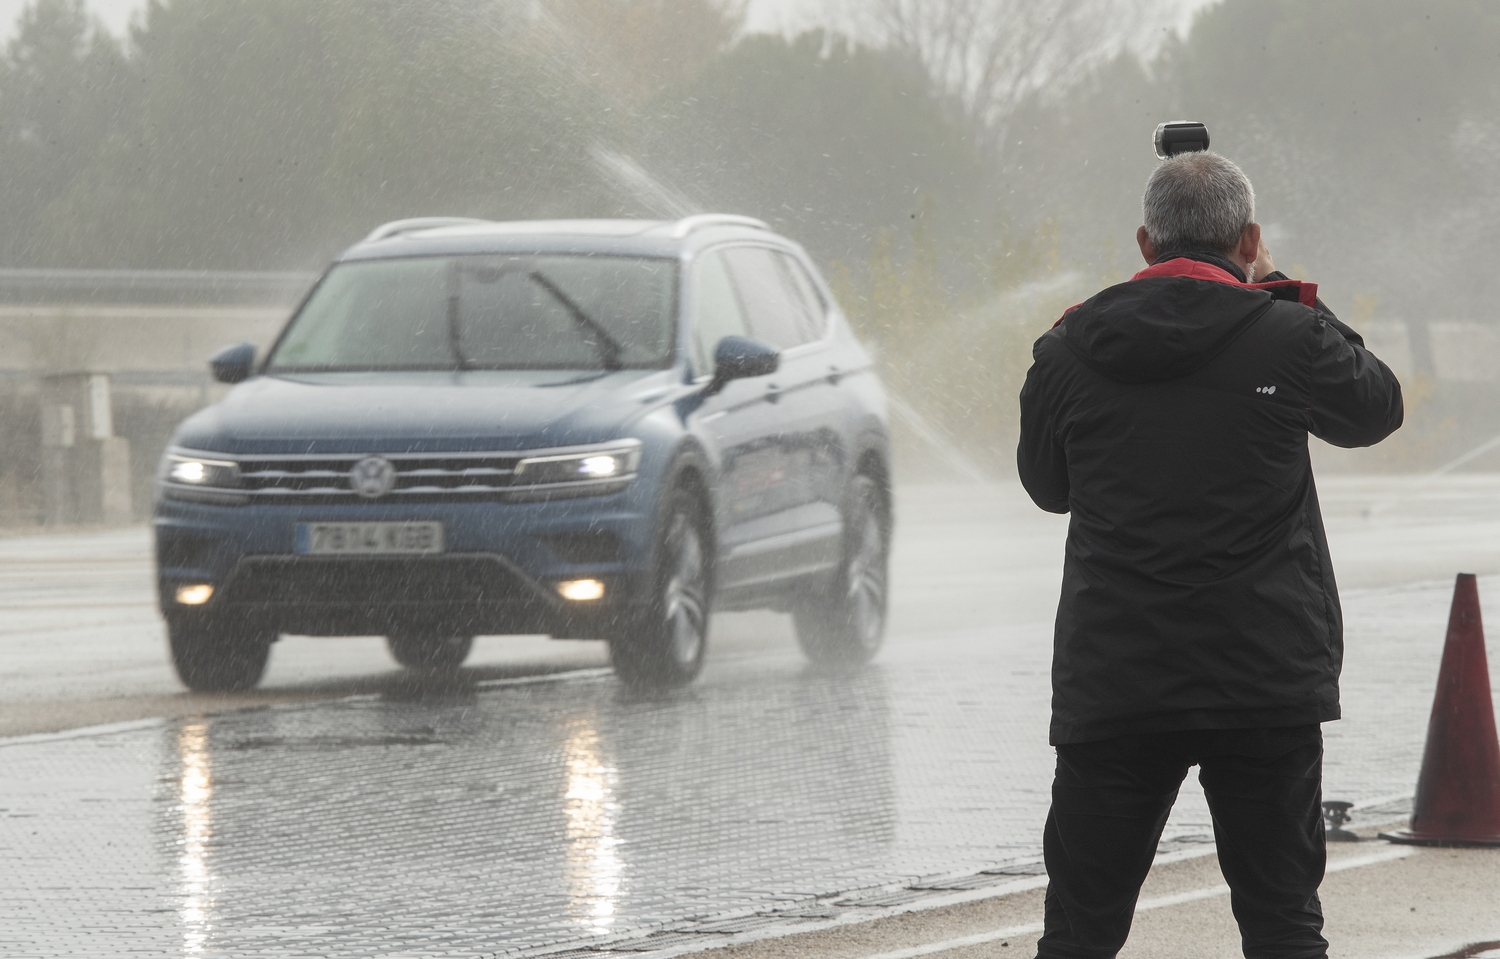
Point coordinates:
pixel 1169 320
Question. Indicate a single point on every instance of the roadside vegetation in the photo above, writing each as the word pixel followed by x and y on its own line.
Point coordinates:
pixel 964 169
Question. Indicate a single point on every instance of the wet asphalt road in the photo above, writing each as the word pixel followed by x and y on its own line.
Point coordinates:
pixel 493 815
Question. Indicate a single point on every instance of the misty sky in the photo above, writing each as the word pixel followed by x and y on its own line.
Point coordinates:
pixel 765 15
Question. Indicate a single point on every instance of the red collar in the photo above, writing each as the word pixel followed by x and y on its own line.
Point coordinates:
pixel 1297 290
pixel 1304 293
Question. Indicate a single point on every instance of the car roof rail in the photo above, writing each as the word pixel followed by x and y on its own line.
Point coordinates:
pixel 702 221
pixel 397 227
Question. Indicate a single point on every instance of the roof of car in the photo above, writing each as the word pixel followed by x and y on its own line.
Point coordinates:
pixel 436 236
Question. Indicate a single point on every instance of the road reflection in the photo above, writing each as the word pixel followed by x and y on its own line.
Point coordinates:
pixel 195 793
pixel 518 818
pixel 595 871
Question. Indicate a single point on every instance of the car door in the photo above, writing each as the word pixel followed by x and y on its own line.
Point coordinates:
pixel 826 363
pixel 737 423
pixel 799 529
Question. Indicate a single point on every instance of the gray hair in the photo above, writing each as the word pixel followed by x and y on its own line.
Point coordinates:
pixel 1198 203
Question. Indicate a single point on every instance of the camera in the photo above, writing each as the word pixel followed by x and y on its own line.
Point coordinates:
pixel 1180 136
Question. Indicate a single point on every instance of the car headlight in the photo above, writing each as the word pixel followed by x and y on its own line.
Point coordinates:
pixel 598 465
pixel 189 470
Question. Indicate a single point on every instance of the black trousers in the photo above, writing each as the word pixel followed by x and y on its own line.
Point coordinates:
pixel 1110 801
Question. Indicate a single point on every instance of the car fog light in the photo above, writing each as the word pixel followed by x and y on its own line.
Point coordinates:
pixel 195 595
pixel 581 590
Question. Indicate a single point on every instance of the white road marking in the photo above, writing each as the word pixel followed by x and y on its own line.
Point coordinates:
pixel 109 729
pixel 1145 905
pixel 591 672
pixel 82 732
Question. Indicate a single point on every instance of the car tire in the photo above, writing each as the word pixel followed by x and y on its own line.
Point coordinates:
pixel 846 625
pixel 213 657
pixel 662 645
pixel 425 651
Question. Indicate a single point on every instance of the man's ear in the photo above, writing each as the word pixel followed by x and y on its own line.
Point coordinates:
pixel 1249 248
pixel 1148 250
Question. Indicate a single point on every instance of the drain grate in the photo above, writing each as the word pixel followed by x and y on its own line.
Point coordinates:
pixel 734 927
pixel 660 940
pixel 900 898
pixel 1017 869
pixel 1478 950
pixel 963 883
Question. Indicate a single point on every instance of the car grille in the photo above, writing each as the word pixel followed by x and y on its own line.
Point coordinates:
pixel 418 476
pixel 310 479
pixel 377 583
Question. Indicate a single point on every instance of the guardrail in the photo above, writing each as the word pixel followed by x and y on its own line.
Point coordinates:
pixel 124 378
pixel 155 287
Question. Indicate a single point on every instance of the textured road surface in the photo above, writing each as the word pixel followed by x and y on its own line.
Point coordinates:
pixel 493 816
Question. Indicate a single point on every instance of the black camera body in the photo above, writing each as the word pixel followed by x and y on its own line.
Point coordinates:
pixel 1180 136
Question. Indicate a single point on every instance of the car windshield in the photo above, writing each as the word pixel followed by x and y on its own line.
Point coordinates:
pixel 485 313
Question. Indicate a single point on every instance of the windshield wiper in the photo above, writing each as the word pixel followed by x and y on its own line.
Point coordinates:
pixel 609 347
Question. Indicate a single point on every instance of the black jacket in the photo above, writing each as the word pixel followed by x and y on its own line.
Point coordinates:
pixel 1170 415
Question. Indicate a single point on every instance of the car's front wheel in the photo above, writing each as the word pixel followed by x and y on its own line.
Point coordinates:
pixel 663 644
pixel 846 625
pixel 427 651
pixel 217 657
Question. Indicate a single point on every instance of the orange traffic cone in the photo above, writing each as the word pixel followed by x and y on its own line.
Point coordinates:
pixel 1458 791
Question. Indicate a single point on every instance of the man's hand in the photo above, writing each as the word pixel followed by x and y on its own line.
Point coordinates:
pixel 1263 266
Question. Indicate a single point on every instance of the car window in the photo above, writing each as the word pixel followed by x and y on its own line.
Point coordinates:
pixel 814 307
pixel 486 312
pixel 565 312
pixel 365 313
pixel 773 306
pixel 717 311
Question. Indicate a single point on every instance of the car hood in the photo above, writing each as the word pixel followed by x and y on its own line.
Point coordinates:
pixel 425 411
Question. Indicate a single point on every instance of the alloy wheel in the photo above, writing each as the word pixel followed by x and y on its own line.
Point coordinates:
pixel 683 601
pixel 865 579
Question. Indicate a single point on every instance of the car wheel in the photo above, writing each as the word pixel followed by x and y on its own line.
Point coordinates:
pixel 425 651
pixel 664 644
pixel 215 658
pixel 846 625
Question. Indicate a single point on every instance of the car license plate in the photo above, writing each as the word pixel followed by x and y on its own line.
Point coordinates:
pixel 369 539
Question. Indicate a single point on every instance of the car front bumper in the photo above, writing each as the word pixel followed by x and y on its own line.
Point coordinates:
pixel 499 572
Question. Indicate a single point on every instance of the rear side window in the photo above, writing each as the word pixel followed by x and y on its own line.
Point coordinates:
pixel 778 311
pixel 716 309
pixel 814 307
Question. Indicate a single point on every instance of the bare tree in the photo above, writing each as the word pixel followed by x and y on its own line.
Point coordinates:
pixel 990 54
pixel 636 48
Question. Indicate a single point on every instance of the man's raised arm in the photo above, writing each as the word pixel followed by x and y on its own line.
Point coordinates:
pixel 1355 398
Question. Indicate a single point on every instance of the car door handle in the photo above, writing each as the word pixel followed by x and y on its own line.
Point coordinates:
pixel 773 393
pixel 834 375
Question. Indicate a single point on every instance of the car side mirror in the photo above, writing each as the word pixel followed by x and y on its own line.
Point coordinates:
pixel 739 358
pixel 233 364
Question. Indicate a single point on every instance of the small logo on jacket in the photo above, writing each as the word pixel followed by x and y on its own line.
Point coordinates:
pixel 1265 389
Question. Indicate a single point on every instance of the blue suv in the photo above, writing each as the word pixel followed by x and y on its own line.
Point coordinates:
pixel 596 429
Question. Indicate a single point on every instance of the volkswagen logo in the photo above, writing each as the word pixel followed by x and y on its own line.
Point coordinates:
pixel 372 477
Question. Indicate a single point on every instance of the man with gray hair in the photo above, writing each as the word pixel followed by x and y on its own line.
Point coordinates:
pixel 1199 621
